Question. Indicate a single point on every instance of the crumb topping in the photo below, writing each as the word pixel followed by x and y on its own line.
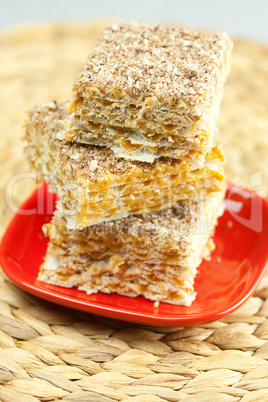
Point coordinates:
pixel 170 64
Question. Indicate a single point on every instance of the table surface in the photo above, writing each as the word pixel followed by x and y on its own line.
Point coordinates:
pixel 51 353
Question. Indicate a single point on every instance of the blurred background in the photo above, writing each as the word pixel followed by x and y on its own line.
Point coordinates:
pixel 240 18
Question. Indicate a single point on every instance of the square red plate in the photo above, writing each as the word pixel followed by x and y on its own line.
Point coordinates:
pixel 223 284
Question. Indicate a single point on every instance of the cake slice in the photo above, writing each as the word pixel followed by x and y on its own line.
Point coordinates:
pixel 154 255
pixel 94 185
pixel 148 92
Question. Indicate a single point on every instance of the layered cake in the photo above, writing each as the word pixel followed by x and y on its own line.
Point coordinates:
pixel 140 182
pixel 153 255
pixel 148 92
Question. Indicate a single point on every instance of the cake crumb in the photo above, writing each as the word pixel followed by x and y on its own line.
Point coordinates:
pixel 219 260
pixel 156 303
pixel 60 135
pixel 230 224
pixel 75 156
pixel 51 105
pixel 93 165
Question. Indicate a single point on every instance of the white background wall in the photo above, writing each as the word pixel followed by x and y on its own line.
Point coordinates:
pixel 240 18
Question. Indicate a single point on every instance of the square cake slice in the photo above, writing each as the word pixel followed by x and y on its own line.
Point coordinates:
pixel 94 185
pixel 153 255
pixel 148 92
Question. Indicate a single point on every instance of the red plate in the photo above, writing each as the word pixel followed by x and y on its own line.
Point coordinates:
pixel 223 284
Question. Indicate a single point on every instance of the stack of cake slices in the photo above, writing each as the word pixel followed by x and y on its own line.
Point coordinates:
pixel 132 160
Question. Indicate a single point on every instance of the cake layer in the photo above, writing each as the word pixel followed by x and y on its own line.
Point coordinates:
pixel 148 92
pixel 155 255
pixel 135 145
pixel 94 185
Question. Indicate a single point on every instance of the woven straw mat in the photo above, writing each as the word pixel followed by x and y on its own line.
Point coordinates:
pixel 51 353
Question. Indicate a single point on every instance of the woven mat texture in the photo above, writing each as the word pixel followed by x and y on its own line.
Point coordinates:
pixel 49 353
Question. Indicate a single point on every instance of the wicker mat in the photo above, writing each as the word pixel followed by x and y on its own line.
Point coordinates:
pixel 50 353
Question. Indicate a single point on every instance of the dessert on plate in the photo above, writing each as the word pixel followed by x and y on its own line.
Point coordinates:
pixel 140 182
